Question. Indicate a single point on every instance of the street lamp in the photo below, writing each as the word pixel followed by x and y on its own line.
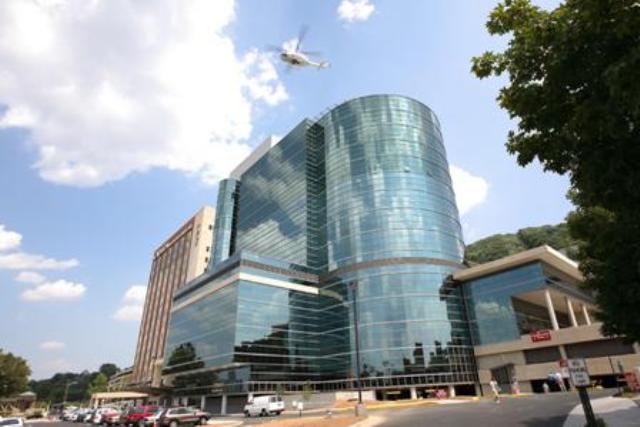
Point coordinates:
pixel 66 391
pixel 360 408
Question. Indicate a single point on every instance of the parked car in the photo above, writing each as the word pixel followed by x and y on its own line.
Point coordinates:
pixel 173 417
pixel 263 406
pixel 138 413
pixel 85 417
pixel 12 422
pixel 102 413
pixel 151 420
pixel 114 418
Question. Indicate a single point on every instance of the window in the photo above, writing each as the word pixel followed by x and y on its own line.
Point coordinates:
pixel 601 348
pixel 542 355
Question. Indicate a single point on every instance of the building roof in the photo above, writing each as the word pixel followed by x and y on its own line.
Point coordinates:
pixel 119 395
pixel 545 254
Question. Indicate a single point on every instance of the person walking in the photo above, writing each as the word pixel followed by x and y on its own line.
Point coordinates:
pixel 495 389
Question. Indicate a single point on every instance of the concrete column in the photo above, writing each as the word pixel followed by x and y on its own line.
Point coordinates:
pixel 552 313
pixel 585 313
pixel 478 388
pixel 563 351
pixel 452 391
pixel 572 315
pixel 223 405
pixel 414 393
pixel 203 402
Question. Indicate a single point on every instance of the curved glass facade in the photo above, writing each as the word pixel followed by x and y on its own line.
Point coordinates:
pixel 392 224
pixel 388 188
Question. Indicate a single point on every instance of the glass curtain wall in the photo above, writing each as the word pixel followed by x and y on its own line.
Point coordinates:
pixel 393 236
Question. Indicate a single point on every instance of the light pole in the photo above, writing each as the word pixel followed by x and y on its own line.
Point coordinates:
pixel 66 391
pixel 360 408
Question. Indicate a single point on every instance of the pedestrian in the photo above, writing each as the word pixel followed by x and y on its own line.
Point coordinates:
pixel 495 389
pixel 515 387
pixel 545 387
pixel 560 381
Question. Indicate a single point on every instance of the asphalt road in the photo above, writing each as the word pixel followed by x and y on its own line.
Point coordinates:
pixel 533 411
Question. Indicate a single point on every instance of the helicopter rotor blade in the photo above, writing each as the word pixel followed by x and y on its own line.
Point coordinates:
pixel 311 52
pixel 273 48
pixel 301 36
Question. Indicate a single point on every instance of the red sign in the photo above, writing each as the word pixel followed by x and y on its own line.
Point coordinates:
pixel 632 381
pixel 562 363
pixel 541 335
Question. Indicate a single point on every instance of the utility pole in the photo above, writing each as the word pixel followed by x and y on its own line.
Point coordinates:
pixel 66 391
pixel 360 407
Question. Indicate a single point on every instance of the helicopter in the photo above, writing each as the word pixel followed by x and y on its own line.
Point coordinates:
pixel 299 58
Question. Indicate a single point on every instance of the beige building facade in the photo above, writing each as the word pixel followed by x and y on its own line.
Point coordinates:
pixel 181 258
pixel 528 314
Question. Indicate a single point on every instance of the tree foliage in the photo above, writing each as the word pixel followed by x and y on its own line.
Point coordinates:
pixel 108 369
pixel 574 89
pixel 81 385
pixel 14 374
pixel 98 384
pixel 307 391
pixel 502 245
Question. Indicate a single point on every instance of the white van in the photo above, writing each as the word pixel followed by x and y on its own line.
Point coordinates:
pixel 263 406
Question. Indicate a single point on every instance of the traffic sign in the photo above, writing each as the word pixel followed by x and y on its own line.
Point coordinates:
pixel 578 372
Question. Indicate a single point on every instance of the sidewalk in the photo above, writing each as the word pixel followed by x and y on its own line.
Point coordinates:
pixel 615 411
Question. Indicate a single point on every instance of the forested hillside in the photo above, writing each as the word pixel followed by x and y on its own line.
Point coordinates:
pixel 500 245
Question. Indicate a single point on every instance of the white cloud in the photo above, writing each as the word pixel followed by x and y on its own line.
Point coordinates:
pixel 135 294
pixel 128 313
pixel 60 290
pixel 355 10
pixel 470 190
pixel 17 117
pixel 133 303
pixel 109 88
pixel 9 239
pixel 26 261
pixel 30 277
pixel 52 345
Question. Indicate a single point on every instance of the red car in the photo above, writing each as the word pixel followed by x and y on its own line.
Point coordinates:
pixel 173 417
pixel 136 415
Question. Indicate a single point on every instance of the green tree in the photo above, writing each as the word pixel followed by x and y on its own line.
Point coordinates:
pixel 279 390
pixel 493 247
pixel 501 245
pixel 575 93
pixel 14 374
pixel 109 369
pixel 307 391
pixel 98 384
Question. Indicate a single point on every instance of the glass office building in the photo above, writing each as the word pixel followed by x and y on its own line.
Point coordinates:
pixel 357 207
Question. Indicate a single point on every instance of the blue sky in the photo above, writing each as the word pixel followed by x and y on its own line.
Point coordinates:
pixel 118 118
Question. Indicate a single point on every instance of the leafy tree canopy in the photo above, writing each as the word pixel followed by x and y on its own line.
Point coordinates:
pixel 98 384
pixel 575 94
pixel 109 369
pixel 80 386
pixel 502 245
pixel 14 374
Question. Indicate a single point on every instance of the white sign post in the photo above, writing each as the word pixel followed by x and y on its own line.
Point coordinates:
pixel 578 372
pixel 580 379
